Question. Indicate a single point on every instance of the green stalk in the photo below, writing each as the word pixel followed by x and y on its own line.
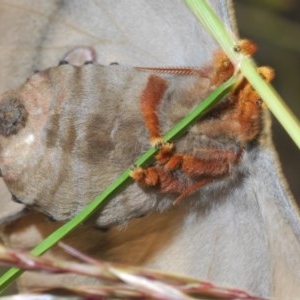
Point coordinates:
pixel 124 179
pixel 277 106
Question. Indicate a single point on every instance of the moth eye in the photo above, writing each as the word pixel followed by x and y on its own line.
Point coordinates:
pixel 63 62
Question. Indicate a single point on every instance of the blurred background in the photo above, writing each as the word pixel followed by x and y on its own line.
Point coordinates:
pixel 274 25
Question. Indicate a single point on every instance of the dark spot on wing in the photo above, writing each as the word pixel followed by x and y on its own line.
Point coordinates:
pixel 52 130
pixel 13 116
pixel 68 136
pixel 97 143
pixel 61 135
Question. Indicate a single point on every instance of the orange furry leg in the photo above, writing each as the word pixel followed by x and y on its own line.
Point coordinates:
pixel 158 177
pixel 247 47
pixel 162 178
pixel 165 153
pixel 224 68
pixel 147 177
pixel 212 163
pixel 217 165
pixel 150 100
pixel 249 107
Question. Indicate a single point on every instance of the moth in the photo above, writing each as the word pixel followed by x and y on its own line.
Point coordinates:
pixel 239 230
pixel 57 121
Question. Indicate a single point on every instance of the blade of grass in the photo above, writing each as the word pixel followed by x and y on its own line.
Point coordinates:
pixel 124 179
pixel 277 106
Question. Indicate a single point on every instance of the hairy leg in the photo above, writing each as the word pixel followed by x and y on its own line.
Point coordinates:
pixel 150 100
pixel 217 163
